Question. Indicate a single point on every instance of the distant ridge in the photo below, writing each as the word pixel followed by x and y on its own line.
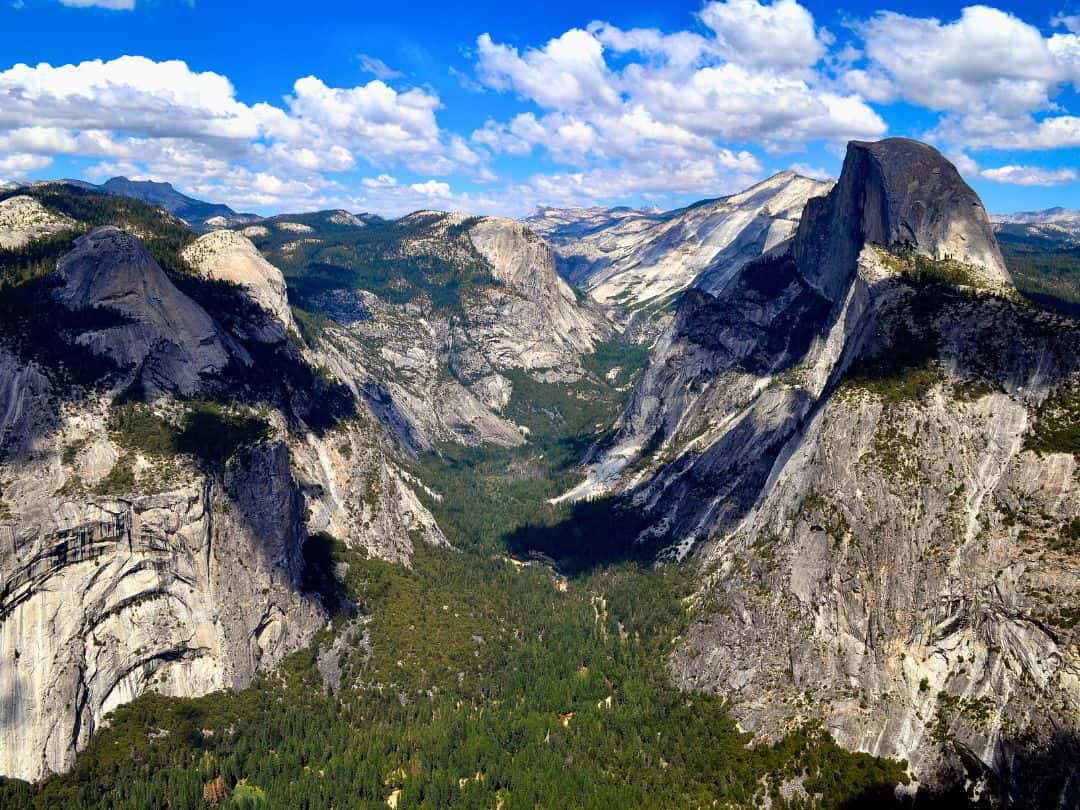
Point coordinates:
pixel 197 213
pixel 1048 216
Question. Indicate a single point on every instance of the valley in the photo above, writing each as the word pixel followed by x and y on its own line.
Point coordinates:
pixel 775 506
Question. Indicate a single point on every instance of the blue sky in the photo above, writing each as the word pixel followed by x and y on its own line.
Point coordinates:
pixel 499 107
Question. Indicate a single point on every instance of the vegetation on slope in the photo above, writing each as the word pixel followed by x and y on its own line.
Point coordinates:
pixel 1048 275
pixel 399 261
pixel 163 234
pixel 1056 426
pixel 489 680
pixel 212 432
pixel 488 685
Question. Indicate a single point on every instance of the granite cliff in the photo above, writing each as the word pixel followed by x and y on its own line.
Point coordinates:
pixel 860 439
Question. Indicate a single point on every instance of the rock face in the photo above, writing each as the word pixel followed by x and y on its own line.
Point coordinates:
pixel 23 219
pixel 635 259
pixel 230 256
pixel 438 372
pixel 195 212
pixel 170 338
pixel 1054 227
pixel 187 590
pixel 188 575
pixel 1063 217
pixel 842 438
pixel 900 194
pixel 540 325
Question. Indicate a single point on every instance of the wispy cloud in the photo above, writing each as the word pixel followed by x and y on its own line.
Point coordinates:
pixel 1030 176
pixel 378 68
pixel 112 5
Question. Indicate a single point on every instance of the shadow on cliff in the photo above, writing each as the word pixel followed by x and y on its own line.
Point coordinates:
pixel 42 334
pixel 916 328
pixel 277 374
pixel 1032 776
pixel 1029 773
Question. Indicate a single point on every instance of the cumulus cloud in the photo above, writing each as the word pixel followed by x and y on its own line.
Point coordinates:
pixel 994 77
pixel 781 35
pixel 987 59
pixel 20 166
pixel 189 126
pixel 616 99
pixel 432 188
pixel 605 114
pixel 1030 176
pixel 382 181
pixel 568 72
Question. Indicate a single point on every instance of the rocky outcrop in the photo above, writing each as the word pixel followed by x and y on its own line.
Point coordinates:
pixel 900 194
pixel 171 341
pixel 188 576
pixel 538 323
pixel 187 590
pixel 631 259
pixel 230 256
pixel 438 368
pixel 345 219
pixel 1053 228
pixel 840 438
pixel 396 364
pixel 23 219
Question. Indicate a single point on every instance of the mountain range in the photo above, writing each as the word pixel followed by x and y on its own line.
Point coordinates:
pixel 197 213
pixel 802 461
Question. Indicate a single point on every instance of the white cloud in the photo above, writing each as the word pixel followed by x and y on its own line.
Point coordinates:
pixel 165 120
pixel 112 5
pixel 568 72
pixel 806 170
pixel 1030 176
pixel 382 181
pixel 994 77
pixel 624 100
pixel 965 164
pixel 987 59
pixel 1066 21
pixel 20 166
pixel 777 36
pixel 621 113
pixel 378 68
pixel 432 188
pixel 132 94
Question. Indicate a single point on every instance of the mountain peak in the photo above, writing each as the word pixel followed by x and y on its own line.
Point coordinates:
pixel 195 212
pixel 897 193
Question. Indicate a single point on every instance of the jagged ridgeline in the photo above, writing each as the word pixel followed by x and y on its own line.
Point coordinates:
pixel 326 510
pixel 868 440
pixel 178 520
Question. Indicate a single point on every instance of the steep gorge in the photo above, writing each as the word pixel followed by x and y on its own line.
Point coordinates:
pixel 841 438
pixel 854 443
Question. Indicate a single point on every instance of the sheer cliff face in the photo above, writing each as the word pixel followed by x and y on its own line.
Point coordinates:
pixel 637 259
pixel 172 341
pixel 187 590
pixel 843 439
pixel 901 194
pixel 188 575
pixel 437 374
